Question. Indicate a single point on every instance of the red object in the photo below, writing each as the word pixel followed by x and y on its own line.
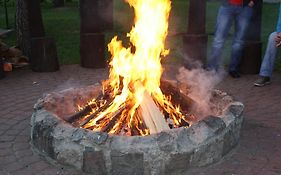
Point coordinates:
pixel 236 2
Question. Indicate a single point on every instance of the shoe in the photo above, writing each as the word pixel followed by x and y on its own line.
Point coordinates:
pixel 262 81
pixel 234 74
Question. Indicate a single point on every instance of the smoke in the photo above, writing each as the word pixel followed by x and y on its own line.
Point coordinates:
pixel 123 22
pixel 200 83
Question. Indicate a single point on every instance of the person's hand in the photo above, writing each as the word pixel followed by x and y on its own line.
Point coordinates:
pixel 251 4
pixel 278 39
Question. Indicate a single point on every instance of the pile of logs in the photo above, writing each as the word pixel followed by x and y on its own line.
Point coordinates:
pixel 11 57
pixel 148 118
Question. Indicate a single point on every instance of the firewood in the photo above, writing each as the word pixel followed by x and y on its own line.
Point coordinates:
pixel 86 110
pixel 95 114
pixel 121 123
pixel 113 119
pixel 141 130
pixel 80 114
pixel 151 115
pixel 179 98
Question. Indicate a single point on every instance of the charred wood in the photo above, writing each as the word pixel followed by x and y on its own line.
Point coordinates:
pixel 112 120
pixel 87 109
pixel 178 98
pixel 95 114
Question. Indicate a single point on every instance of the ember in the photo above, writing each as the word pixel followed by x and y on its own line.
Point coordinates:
pixel 132 102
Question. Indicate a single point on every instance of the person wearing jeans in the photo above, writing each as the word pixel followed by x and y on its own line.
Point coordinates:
pixel 239 12
pixel 274 42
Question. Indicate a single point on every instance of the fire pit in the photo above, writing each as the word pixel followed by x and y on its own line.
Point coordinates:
pixel 172 151
pixel 135 122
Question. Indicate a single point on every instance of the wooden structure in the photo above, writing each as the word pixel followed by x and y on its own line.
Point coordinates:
pixel 2 73
pixel 252 53
pixel 96 16
pixel 195 40
pixel 43 56
pixel 44 49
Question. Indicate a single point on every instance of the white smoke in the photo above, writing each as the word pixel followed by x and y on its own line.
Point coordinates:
pixel 200 83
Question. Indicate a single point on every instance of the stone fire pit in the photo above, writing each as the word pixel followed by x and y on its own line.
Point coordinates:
pixel 171 152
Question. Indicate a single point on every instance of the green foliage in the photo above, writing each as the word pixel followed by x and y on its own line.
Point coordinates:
pixel 63 25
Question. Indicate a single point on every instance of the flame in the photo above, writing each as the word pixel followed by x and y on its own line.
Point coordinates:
pixel 138 64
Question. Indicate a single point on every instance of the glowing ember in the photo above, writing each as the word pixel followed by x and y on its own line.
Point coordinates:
pixel 132 102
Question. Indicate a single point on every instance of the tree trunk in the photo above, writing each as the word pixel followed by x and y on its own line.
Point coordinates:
pixel 22 27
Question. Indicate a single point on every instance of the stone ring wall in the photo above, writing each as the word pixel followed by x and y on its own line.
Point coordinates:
pixel 170 152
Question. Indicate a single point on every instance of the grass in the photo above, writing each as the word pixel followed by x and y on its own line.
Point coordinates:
pixel 63 25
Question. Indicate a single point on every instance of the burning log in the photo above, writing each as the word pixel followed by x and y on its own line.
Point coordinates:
pixel 95 114
pixel 80 114
pixel 88 108
pixel 169 87
pixel 113 119
pixel 150 113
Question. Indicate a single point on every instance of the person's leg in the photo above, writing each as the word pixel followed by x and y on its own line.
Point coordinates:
pixel 269 57
pixel 242 21
pixel 224 20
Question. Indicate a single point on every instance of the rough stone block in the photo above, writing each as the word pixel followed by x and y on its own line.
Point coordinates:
pixel 215 123
pixel 183 141
pixel 93 162
pixel 127 163
pixel 165 142
pixel 208 153
pixel 177 164
pixel 231 138
pixel 99 138
pixel 236 108
pixel 199 132
pixel 68 153
pixel 43 139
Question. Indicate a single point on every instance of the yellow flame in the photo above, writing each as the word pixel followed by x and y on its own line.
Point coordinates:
pixel 139 63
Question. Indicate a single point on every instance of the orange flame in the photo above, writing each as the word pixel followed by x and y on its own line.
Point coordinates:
pixel 140 63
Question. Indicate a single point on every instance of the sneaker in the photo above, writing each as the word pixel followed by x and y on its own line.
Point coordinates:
pixel 262 81
pixel 234 74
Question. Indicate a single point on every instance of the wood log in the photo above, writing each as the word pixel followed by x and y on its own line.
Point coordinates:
pixel 95 114
pixel 92 50
pixel 2 73
pixel 43 55
pixel 79 114
pixel 153 118
pixel 178 98
pixel 87 109
pixel 113 119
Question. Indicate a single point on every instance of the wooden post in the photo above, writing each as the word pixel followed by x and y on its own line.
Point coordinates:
pixel 2 73
pixel 6 14
pixel 195 41
pixel 36 26
pixel 92 48
pixel 252 53
pixel 96 16
pixel 43 55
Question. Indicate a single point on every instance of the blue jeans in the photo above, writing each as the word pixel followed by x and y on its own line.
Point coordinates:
pixel 269 56
pixel 226 15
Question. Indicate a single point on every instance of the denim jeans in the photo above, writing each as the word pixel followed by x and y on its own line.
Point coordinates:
pixel 269 56
pixel 226 16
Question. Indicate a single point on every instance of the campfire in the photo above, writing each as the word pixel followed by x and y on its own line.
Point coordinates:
pixel 132 101
pixel 135 101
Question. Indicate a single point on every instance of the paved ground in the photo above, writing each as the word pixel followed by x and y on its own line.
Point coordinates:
pixel 259 152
